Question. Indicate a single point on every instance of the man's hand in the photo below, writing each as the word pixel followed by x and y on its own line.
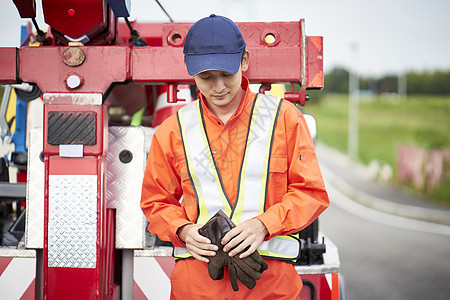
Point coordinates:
pixel 250 233
pixel 198 245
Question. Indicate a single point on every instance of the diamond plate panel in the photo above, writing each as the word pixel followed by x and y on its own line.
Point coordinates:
pixel 14 252
pixel 123 190
pixel 72 228
pixel 34 229
pixel 124 184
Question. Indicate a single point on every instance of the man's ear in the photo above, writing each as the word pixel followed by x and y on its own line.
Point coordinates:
pixel 245 61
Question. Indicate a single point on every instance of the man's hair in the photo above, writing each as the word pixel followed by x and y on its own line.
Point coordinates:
pixel 243 53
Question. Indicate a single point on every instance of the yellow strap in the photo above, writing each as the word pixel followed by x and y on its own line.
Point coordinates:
pixel 223 197
pixel 200 199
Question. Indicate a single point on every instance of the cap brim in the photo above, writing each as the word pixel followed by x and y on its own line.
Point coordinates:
pixel 225 62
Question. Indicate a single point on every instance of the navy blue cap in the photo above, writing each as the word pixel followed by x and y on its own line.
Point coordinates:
pixel 213 43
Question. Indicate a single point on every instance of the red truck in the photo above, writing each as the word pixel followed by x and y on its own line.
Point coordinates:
pixel 72 227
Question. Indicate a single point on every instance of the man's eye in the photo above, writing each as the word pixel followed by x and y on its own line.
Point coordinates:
pixel 205 77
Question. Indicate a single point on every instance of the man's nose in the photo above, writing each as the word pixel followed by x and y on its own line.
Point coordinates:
pixel 219 85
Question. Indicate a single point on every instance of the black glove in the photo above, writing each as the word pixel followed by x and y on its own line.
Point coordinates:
pixel 256 262
pixel 237 269
pixel 214 230
pixel 247 270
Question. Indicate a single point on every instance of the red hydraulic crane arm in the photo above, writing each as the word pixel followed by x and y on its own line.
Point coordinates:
pixel 279 52
pixel 26 8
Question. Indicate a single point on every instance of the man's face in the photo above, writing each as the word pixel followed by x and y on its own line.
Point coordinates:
pixel 222 89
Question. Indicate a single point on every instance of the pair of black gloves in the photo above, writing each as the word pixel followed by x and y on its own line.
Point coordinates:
pixel 247 269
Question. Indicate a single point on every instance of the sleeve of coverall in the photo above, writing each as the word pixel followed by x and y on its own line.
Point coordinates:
pixel 161 190
pixel 306 197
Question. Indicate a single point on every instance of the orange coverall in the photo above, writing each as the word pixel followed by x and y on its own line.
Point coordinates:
pixel 296 195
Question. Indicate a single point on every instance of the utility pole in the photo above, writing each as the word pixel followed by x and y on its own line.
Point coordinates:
pixel 353 104
pixel 402 85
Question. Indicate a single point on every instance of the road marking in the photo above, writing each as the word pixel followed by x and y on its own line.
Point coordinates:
pixel 365 212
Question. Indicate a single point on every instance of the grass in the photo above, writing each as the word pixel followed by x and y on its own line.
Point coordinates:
pixel 384 123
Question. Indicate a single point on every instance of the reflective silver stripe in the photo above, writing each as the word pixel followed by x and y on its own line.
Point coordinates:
pixel 283 247
pixel 277 247
pixel 255 165
pixel 200 164
pixel 179 252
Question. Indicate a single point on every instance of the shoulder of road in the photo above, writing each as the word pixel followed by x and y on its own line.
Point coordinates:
pixel 354 180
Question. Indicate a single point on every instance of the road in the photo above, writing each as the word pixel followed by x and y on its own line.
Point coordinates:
pixel 386 257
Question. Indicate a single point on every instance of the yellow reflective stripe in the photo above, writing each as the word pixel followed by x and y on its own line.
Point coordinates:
pixel 273 245
pixel 258 144
pixel 281 246
pixel 185 255
pixel 274 255
pixel 289 237
pixel 264 253
pixel 226 204
pixel 266 159
pixel 241 197
pixel 200 200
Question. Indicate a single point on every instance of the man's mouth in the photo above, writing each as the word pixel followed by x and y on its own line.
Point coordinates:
pixel 220 96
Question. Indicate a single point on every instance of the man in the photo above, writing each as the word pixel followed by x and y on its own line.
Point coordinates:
pixel 246 154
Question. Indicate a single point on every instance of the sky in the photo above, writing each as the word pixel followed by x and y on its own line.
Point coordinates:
pixel 374 38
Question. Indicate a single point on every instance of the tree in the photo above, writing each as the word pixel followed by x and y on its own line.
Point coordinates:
pixel 336 81
pixel 424 83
